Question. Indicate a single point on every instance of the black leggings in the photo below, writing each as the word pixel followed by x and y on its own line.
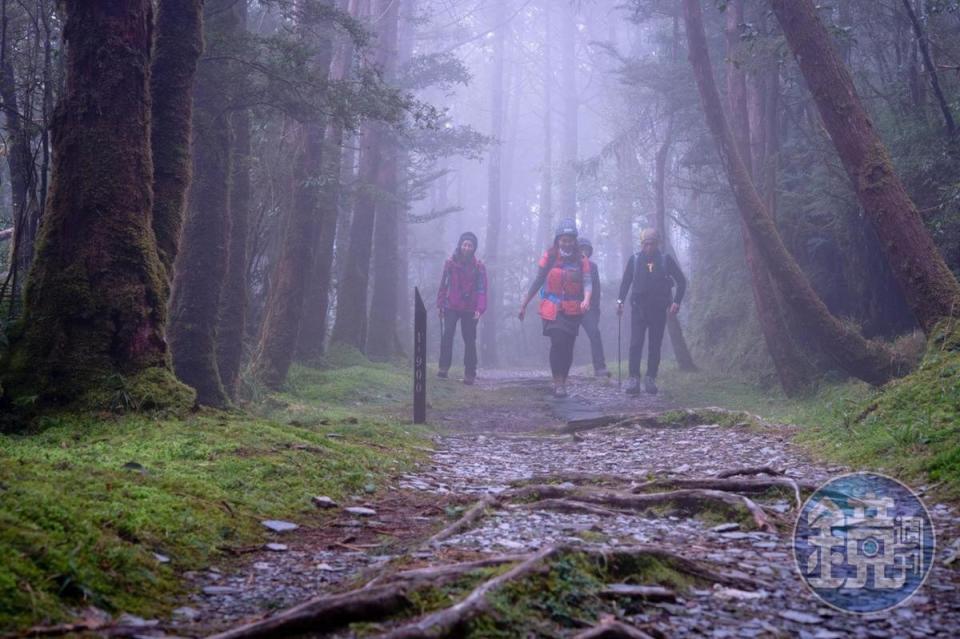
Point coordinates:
pixel 561 353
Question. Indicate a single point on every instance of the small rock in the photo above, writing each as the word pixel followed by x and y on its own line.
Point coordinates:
pixel 823 633
pixel 276 547
pixel 126 619
pixel 187 613
pixel 279 526
pixel 261 565
pixel 360 511
pixel 739 595
pixel 220 590
pixel 327 567
pixel 161 559
pixel 322 501
pixel 800 617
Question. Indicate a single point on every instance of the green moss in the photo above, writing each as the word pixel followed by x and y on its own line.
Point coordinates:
pixel 186 488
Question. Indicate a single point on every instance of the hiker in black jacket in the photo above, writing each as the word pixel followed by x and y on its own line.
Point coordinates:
pixel 591 319
pixel 652 275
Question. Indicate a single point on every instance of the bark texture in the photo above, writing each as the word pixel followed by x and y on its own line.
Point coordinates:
pixel 288 284
pixel 929 287
pixel 179 43
pixel 867 360
pixel 233 303
pixel 94 302
pixel 202 260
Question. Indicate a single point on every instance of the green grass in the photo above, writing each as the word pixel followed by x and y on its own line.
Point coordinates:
pixel 86 500
pixel 910 428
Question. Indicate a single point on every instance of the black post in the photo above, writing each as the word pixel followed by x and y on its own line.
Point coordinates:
pixel 419 359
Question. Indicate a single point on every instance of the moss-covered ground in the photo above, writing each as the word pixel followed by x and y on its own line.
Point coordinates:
pixel 87 502
pixel 909 428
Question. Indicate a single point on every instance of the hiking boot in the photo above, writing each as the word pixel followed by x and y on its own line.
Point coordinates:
pixel 442 374
pixel 559 390
pixel 648 386
pixel 469 379
pixel 633 386
pixel 602 372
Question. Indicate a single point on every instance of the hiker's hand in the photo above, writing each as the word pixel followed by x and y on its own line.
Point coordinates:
pixel 584 306
pixel 522 313
pixel 476 315
pixel 440 313
pixel 619 309
pixel 674 309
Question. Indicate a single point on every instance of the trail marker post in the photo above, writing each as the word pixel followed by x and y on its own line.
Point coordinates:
pixel 419 359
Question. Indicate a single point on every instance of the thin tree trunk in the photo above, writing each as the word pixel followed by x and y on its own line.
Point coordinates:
pixel 545 220
pixel 94 308
pixel 313 326
pixel 488 343
pixel 931 69
pixel 571 105
pixel 288 280
pixel 201 262
pixel 870 361
pixel 179 42
pixel 793 370
pixel 233 303
pixel 929 287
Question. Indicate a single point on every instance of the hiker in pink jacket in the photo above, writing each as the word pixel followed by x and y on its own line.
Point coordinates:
pixel 462 298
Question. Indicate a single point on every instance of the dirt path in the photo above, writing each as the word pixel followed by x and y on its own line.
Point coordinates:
pixel 491 449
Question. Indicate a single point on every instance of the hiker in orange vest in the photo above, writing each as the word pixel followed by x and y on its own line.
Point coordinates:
pixel 564 284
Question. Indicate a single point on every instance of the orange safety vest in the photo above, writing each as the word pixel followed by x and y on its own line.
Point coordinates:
pixel 563 289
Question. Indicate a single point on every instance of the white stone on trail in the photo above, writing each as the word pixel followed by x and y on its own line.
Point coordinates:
pixel 322 501
pixel 161 559
pixel 186 613
pixel 220 590
pixel 279 526
pixel 800 617
pixel 275 547
pixel 722 528
pixel 739 595
pixel 360 511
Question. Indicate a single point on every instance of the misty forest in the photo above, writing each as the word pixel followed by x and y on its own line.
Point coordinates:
pixel 492 318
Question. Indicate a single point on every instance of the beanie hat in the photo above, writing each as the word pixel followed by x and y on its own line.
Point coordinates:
pixel 649 234
pixel 567 226
pixel 585 245
pixel 468 236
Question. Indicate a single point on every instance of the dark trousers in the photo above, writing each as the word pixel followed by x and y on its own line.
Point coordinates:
pixel 561 353
pixel 468 329
pixel 591 326
pixel 650 321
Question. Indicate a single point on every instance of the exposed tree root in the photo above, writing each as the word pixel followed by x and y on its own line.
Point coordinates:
pixel 692 498
pixel 444 622
pixel 757 470
pixel 572 506
pixel 618 561
pixel 439 575
pixel 326 613
pixel 473 514
pixel 752 486
pixel 685 417
pixel 633 591
pixel 574 477
pixel 613 629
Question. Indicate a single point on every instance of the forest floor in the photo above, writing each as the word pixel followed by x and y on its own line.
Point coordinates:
pixel 548 505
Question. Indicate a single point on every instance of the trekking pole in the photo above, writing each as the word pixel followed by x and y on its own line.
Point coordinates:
pixel 619 359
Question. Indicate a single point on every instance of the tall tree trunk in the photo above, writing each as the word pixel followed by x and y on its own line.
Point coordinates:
pixel 179 43
pixel 288 280
pixel 233 303
pixel 870 361
pixel 489 325
pixel 571 106
pixel 545 220
pixel 316 304
pixel 931 69
pixel 201 262
pixel 680 349
pixel 793 370
pixel 384 300
pixel 94 306
pixel 929 287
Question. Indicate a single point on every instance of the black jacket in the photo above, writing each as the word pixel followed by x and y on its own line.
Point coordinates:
pixel 652 277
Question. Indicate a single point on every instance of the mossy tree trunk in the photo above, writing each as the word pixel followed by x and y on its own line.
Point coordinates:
pixel 867 360
pixel 201 263
pixel 313 326
pixel 94 306
pixel 288 281
pixel 179 43
pixel 930 288
pixel 793 370
pixel 233 302
pixel 384 301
